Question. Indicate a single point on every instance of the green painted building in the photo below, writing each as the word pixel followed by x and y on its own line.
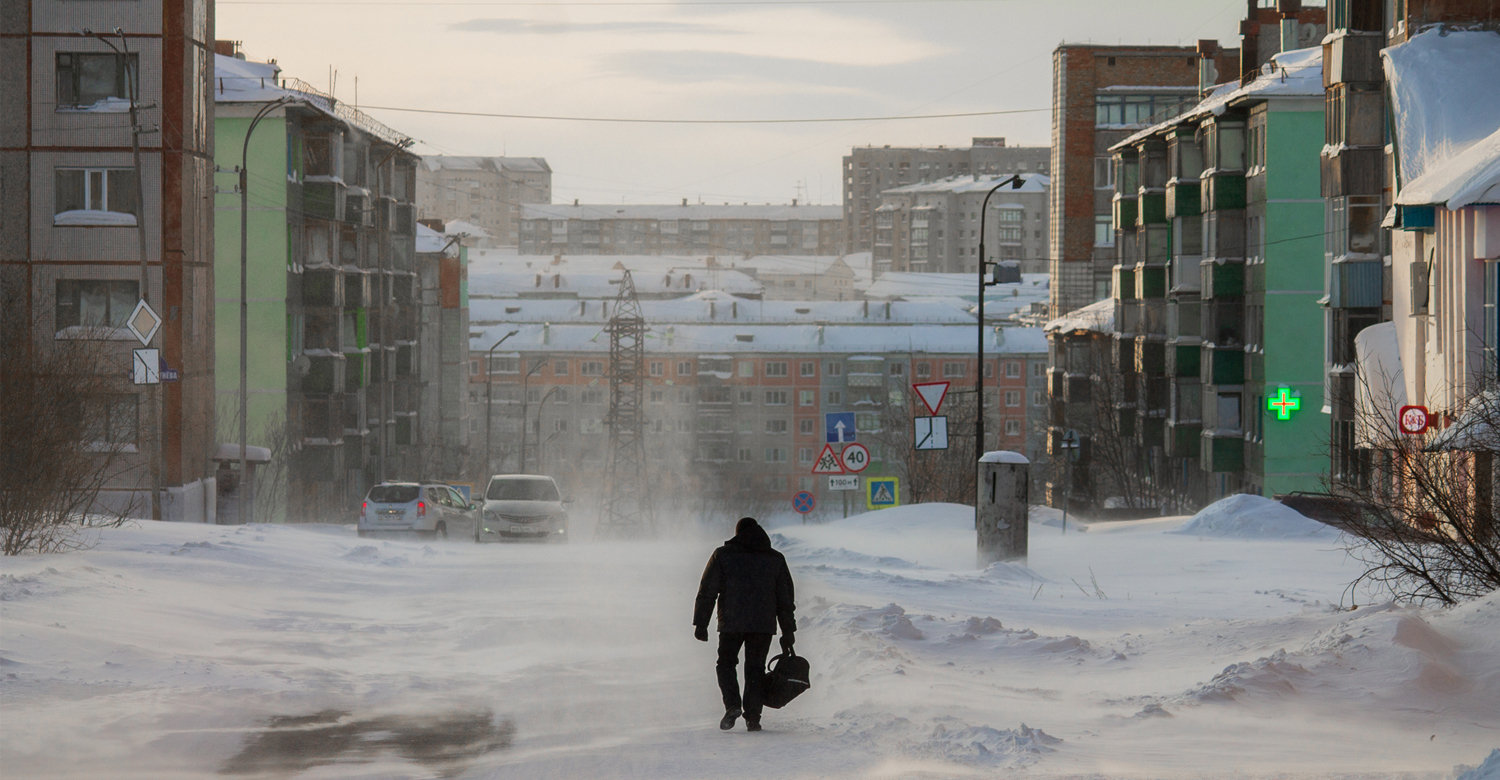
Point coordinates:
pixel 1218 288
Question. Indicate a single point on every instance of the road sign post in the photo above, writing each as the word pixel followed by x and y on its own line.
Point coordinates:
pixel 1070 447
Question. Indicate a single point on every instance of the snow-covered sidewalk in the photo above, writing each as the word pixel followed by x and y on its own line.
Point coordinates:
pixel 1119 650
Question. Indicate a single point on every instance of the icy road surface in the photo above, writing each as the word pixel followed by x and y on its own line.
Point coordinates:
pixel 1121 652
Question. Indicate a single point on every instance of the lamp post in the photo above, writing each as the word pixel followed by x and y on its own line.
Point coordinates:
pixel 489 384
pixel 540 410
pixel 1015 181
pixel 536 366
pixel 244 301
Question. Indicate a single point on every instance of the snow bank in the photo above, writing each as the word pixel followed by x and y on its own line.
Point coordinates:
pixel 1246 516
pixel 1489 770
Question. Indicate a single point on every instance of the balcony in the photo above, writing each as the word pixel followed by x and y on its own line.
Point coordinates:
pixel 1222 453
pixel 1151 208
pixel 1224 192
pixel 321 419
pixel 1353 172
pixel 1223 279
pixel 1151 282
pixel 1225 366
pixel 1184 361
pixel 1183 198
pixel 1356 284
pixel 1125 210
pixel 322 288
pixel 1352 57
pixel 1151 359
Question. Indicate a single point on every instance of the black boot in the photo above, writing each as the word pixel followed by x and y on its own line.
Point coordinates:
pixel 752 725
pixel 729 717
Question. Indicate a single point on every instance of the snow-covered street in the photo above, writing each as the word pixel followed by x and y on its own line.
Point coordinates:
pixel 176 650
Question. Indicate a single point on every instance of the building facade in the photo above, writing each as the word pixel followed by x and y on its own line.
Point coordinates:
pixel 88 228
pixel 935 227
pixel 688 229
pixel 869 171
pixel 334 372
pixel 485 191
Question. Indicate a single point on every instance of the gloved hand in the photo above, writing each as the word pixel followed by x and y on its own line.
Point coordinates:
pixel 786 643
pixel 700 633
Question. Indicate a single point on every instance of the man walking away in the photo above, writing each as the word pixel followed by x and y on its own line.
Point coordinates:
pixel 752 586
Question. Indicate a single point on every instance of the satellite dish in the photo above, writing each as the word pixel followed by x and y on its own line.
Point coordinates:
pixel 302 364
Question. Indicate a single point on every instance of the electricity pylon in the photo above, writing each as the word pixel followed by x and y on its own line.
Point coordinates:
pixel 626 511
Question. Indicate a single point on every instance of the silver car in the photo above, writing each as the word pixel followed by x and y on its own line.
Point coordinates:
pixel 428 510
pixel 523 506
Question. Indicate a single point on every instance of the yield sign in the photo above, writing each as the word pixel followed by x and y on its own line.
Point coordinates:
pixel 828 462
pixel 932 394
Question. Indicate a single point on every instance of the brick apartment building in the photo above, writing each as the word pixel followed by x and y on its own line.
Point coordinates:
pixel 723 231
pixel 870 171
pixel 484 191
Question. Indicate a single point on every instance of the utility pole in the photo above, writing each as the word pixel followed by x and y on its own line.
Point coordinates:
pixel 537 363
pixel 489 384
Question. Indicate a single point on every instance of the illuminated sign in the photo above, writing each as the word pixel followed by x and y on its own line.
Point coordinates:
pixel 1284 403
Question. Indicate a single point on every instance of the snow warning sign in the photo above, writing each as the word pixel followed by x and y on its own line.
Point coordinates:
pixel 828 462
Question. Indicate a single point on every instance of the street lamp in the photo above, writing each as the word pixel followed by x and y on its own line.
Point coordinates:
pixel 540 410
pixel 1015 181
pixel 536 365
pixel 489 384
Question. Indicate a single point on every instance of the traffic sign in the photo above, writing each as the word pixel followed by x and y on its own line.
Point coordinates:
pixel 145 366
pixel 804 502
pixel 143 322
pixel 1414 420
pixel 882 492
pixel 931 432
pixel 843 483
pixel 839 427
pixel 855 458
pixel 828 462
pixel 932 394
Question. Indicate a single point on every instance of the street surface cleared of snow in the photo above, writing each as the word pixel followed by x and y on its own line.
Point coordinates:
pixel 1117 650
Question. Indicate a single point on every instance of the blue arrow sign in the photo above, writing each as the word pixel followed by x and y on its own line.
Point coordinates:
pixel 839 427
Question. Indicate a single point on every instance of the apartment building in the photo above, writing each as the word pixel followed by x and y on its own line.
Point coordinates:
pixel 687 229
pixel 484 191
pixel 869 171
pixel 935 227
pixel 334 375
pixel 88 228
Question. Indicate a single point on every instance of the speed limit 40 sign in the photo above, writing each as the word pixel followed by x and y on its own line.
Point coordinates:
pixel 855 458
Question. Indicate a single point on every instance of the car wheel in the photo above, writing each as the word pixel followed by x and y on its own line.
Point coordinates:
pixel 441 531
pixel 363 533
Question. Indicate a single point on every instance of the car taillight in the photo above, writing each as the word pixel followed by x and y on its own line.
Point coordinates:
pixel 421 509
pixel 364 505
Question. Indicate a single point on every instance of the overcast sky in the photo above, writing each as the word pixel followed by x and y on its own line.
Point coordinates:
pixel 702 60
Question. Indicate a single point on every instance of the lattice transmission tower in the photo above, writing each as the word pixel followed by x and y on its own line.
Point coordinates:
pixel 627 509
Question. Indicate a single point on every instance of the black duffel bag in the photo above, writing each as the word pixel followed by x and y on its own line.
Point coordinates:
pixel 787 677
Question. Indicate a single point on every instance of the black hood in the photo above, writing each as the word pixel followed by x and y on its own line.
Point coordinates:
pixel 749 534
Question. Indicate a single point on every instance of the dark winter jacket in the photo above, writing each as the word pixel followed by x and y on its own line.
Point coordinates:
pixel 751 584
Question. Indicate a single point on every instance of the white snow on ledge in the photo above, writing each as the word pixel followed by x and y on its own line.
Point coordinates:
pixel 92 218
pixel 109 105
pixel 1004 456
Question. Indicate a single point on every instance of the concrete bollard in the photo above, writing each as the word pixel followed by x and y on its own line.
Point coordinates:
pixel 1001 506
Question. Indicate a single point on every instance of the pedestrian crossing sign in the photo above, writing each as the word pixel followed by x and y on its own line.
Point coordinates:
pixel 882 492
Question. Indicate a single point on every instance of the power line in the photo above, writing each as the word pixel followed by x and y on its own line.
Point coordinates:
pixel 705 121
pixel 593 3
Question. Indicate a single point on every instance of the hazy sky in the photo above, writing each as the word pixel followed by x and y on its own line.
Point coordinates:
pixel 702 60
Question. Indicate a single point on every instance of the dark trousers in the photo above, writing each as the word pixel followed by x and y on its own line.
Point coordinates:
pixel 756 648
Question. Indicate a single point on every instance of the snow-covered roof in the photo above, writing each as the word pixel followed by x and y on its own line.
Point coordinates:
pixel 1004 456
pixel 908 285
pixel 1295 73
pixel 1031 183
pixel 242 81
pixel 1475 430
pixel 719 306
pixel 1469 177
pixel 1098 316
pixel 429 241
pixel 485 280
pixel 1444 103
pixel 741 338
pixel 703 211
pixel 449 162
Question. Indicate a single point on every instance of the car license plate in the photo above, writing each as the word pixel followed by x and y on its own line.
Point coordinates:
pixel 520 529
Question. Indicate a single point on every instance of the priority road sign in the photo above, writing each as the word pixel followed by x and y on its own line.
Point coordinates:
pixel 882 492
pixel 931 432
pixel 143 322
pixel 804 502
pixel 828 462
pixel 932 394
pixel 855 458
pixel 839 427
pixel 843 483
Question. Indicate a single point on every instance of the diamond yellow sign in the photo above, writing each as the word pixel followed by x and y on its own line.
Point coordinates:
pixel 143 322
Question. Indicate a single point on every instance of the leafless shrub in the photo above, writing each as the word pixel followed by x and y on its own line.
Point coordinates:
pixel 929 475
pixel 56 459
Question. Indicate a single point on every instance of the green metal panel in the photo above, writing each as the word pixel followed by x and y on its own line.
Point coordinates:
pixel 1153 208
pixel 1188 360
pixel 1151 281
pixel 1183 199
pixel 1124 211
pixel 1223 454
pixel 361 328
pixel 1228 366
pixel 1224 192
pixel 1224 279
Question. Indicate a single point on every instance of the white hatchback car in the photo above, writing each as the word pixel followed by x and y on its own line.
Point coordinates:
pixel 427 509
pixel 523 506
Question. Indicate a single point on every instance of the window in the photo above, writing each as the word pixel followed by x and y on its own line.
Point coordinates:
pixel 683 426
pixel 533 395
pixel 1038 368
pixel 776 397
pixel 1104 174
pixel 809 368
pixel 1013 369
pixel 807 427
pixel 747 368
pixel 776 426
pixel 989 369
pixel 591 426
pixel 1013 428
pixel 591 368
pixel 898 369
pixel 924 370
pixel 835 369
pixel 502 365
pixel 560 368
pixel 775 455
pixel 805 455
pixel 684 395
pixel 110 419
pixel 560 425
pixel 744 455
pixel 85 79
pixel 658 396
pixel 747 396
pixel 1104 230
pixel 806 397
pixel 97 303
pixel 835 398
pixel 94 196
pixel 473 368
pixel 591 396
pixel 656 368
pixel 685 368
pixel 1038 397
pixel 776 369
pixel 1012 397
pixel 954 370
pixel 713 395
pixel 559 395
pixel 805 483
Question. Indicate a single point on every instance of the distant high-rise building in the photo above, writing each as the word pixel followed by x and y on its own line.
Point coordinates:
pixel 728 230
pixel 935 227
pixel 485 191
pixel 869 171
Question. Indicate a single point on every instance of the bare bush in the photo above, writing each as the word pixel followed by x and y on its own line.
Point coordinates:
pixel 57 454
pixel 930 475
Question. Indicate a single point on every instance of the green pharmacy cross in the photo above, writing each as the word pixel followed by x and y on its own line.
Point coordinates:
pixel 1284 403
